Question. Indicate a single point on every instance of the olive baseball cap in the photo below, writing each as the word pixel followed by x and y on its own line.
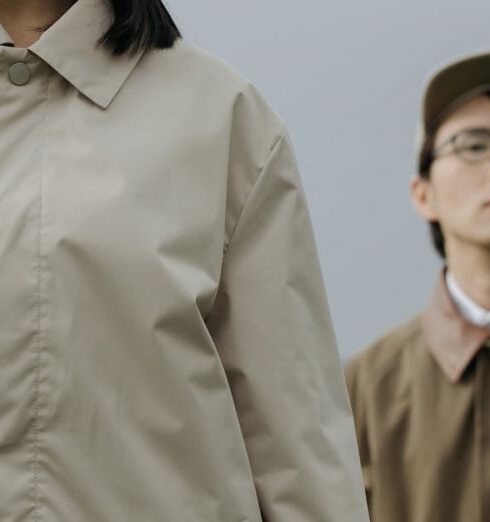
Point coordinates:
pixel 448 88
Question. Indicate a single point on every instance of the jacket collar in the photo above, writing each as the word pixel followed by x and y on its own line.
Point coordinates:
pixel 453 341
pixel 68 46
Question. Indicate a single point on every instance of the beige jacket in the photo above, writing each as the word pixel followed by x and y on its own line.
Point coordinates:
pixel 421 399
pixel 166 351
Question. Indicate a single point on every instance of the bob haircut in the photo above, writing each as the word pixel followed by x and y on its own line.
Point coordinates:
pixel 137 24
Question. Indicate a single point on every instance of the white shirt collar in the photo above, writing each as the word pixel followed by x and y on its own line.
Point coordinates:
pixel 471 311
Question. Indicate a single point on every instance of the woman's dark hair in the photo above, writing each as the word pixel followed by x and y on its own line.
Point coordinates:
pixel 137 24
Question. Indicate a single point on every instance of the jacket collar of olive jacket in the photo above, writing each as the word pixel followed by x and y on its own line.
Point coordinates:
pixel 69 47
pixel 453 341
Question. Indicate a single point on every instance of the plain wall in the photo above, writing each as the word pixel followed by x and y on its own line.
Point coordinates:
pixel 347 80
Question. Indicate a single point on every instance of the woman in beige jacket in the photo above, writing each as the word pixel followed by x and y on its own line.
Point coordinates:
pixel 166 351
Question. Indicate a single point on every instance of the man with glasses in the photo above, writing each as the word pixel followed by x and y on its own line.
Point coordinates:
pixel 421 394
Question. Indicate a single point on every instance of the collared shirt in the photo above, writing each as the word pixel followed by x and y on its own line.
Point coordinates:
pixel 421 401
pixel 166 351
pixel 467 307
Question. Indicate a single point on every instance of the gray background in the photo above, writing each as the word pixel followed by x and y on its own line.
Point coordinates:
pixel 347 80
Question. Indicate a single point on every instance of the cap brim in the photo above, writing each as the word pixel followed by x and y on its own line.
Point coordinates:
pixel 453 85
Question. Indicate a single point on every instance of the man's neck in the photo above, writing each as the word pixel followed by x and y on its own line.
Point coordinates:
pixel 24 19
pixel 470 267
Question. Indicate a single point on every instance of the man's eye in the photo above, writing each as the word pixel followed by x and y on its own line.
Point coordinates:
pixel 477 147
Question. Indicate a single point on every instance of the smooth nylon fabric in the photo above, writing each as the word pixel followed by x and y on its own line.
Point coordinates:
pixel 166 351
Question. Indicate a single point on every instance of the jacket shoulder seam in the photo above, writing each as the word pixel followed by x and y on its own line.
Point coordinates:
pixel 396 347
pixel 260 170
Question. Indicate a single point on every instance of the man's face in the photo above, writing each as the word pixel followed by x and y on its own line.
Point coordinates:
pixel 457 195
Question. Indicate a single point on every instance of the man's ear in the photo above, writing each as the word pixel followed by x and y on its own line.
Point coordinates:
pixel 422 196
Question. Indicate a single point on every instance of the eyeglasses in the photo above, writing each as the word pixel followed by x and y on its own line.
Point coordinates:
pixel 471 145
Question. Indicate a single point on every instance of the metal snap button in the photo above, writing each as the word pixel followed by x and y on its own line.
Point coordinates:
pixel 19 73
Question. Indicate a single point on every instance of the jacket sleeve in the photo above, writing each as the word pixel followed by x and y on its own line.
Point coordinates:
pixel 357 393
pixel 273 332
